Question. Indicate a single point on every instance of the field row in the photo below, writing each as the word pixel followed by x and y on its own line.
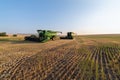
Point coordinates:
pixel 69 61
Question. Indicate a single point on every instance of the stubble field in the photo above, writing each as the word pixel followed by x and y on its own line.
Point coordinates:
pixel 93 57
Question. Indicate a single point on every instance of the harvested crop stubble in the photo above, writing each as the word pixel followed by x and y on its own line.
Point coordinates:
pixel 65 60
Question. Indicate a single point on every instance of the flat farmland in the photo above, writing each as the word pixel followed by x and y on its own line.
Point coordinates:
pixel 91 57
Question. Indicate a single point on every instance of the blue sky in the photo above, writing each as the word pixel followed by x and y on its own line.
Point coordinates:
pixel 80 16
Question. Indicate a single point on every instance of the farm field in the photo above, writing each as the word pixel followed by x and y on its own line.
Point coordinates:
pixel 88 57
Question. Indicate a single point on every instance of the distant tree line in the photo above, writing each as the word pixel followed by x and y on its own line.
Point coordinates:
pixel 3 34
pixel 14 35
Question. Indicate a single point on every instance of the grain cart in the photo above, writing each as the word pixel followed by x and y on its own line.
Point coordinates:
pixel 43 36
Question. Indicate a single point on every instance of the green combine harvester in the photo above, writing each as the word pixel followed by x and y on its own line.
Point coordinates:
pixel 43 36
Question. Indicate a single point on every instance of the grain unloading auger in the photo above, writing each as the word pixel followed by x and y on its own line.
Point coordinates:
pixel 43 36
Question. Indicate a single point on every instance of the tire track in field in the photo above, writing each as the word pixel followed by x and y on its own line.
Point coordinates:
pixel 7 73
pixel 15 70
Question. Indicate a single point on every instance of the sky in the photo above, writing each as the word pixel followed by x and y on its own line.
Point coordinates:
pixel 79 16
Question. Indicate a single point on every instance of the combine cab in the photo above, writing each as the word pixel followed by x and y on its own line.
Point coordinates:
pixel 43 36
